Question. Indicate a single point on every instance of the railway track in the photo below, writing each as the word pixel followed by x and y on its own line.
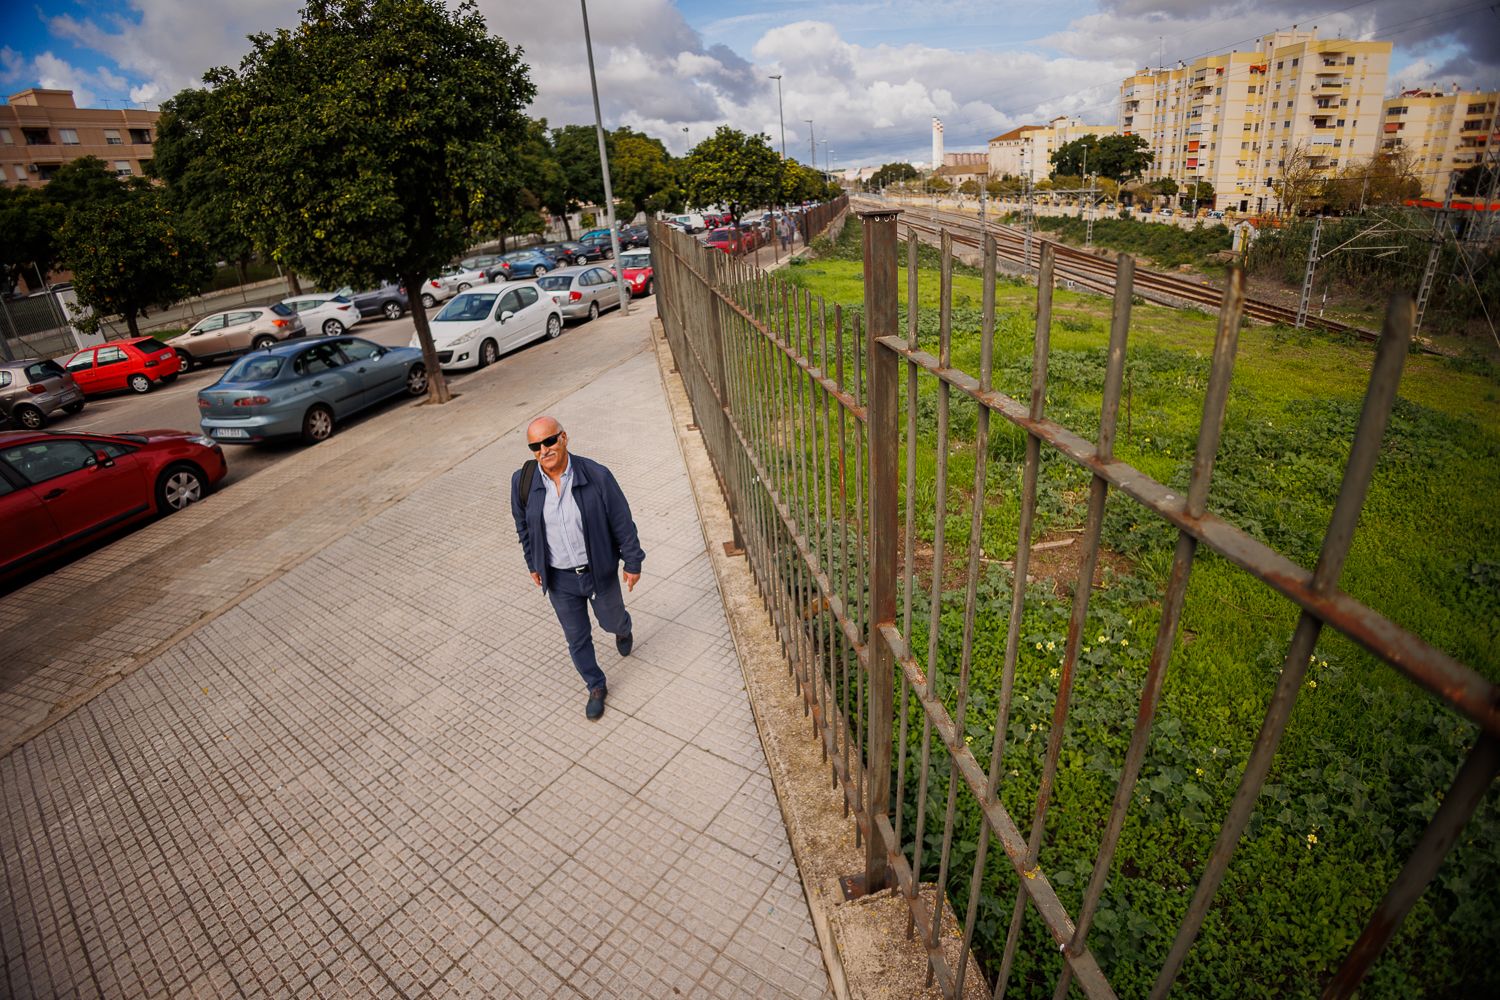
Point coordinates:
pixel 1095 273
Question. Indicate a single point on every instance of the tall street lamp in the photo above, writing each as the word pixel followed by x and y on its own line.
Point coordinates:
pixel 780 112
pixel 812 145
pixel 609 195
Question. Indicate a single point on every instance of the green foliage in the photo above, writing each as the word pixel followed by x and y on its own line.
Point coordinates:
pixel 85 181
pixel 893 173
pixel 732 169
pixel 129 253
pixel 1163 186
pixel 1367 756
pixel 371 141
pixel 29 221
pixel 1168 246
pixel 1118 157
pixel 195 184
pixel 643 174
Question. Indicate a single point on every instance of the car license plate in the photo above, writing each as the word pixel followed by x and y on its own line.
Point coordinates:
pixel 164 355
pixel 230 432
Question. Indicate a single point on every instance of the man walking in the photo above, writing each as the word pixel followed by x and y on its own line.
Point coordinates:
pixel 575 529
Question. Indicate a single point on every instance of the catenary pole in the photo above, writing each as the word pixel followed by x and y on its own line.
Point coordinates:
pixel 609 195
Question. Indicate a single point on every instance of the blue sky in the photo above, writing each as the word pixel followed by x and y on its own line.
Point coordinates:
pixel 871 74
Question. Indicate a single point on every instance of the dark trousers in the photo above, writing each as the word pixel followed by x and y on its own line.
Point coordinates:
pixel 571 594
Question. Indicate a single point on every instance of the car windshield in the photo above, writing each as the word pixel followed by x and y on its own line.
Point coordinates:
pixel 516 257
pixel 282 310
pixel 555 282
pixel 721 234
pixel 467 308
pixel 149 344
pixel 635 259
pixel 256 368
pixel 450 269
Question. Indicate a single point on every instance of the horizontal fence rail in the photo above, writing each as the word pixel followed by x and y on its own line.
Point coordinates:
pixel 817 421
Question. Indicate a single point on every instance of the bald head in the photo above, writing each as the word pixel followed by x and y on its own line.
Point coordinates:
pixel 549 442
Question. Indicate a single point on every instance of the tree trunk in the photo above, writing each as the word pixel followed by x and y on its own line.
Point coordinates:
pixel 240 271
pixel 130 323
pixel 437 385
pixel 567 227
pixel 293 286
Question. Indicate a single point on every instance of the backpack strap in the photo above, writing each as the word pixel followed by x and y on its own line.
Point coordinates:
pixel 528 474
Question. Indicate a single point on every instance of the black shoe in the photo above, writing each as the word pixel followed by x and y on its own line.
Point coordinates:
pixel 625 643
pixel 596 702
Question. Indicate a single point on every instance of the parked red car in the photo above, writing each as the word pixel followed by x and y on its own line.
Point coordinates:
pixel 60 490
pixel 138 364
pixel 728 240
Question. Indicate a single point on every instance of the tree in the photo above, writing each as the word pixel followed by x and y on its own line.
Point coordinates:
pixel 893 173
pixel 1164 186
pixel 1477 181
pixel 1299 180
pixel 1121 157
pixel 128 253
pixel 196 187
pixel 84 181
pixel 641 173
pixel 373 141
pixel 29 222
pixel 1200 191
pixel 1072 159
pixel 576 148
pixel 732 169
pixel 1388 177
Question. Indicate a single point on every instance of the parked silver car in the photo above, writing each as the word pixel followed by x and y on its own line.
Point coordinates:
pixel 33 389
pixel 582 291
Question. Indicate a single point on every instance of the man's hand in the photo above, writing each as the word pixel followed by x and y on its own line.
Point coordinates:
pixel 536 578
pixel 631 579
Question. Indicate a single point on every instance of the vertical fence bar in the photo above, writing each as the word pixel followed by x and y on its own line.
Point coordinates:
pixel 881 321
pixel 909 551
pixel 1390 355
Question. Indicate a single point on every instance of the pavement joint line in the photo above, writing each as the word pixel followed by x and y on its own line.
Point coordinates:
pixel 128 665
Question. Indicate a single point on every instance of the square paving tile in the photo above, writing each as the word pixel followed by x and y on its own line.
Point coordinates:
pixel 694 787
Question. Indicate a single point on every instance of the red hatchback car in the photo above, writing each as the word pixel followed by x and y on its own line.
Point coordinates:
pixel 59 490
pixel 731 241
pixel 137 364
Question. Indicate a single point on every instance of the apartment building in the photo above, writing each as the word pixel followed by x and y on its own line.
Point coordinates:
pixel 1027 151
pixel 1234 119
pixel 40 130
pixel 1443 133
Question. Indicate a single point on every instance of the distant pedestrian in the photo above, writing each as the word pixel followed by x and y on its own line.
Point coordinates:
pixel 575 529
pixel 784 227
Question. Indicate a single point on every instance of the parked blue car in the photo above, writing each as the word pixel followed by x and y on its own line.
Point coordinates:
pixel 520 264
pixel 302 389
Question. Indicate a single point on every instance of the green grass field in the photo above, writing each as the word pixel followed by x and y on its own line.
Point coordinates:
pixel 1367 755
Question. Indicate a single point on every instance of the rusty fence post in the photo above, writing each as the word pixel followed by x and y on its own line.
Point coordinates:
pixel 881 320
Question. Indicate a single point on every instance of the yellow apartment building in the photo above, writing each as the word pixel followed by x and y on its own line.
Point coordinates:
pixel 40 130
pixel 1233 119
pixel 1443 133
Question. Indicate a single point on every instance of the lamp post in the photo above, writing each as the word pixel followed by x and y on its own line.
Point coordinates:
pixel 812 145
pixel 780 113
pixel 609 195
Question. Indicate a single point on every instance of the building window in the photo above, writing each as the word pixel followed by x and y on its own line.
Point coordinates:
pixel 37 136
pixel 5 137
pixel 112 137
pixel 140 136
pixel 1349 61
pixel 1295 61
pixel 20 172
pixel 68 136
pixel 122 168
pixel 1278 65
pixel 46 171
pixel 1341 123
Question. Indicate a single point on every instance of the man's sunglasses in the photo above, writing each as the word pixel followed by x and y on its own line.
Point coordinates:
pixel 545 442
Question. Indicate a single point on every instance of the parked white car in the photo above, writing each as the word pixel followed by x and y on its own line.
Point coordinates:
pixel 691 222
pixel 328 313
pixel 484 322
pixel 435 290
pixel 459 278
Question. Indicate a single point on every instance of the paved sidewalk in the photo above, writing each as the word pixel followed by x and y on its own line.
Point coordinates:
pixel 370 775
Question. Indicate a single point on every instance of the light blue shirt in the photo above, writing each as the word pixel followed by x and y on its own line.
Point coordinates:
pixel 564 523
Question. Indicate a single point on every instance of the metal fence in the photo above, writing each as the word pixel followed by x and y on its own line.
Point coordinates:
pixel 806 412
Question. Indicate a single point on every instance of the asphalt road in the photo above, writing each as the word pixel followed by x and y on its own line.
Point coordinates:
pixel 176 406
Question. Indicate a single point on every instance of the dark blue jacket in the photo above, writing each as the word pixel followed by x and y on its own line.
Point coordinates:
pixel 609 534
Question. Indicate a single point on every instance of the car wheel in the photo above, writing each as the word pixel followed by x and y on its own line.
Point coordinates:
pixel 489 353
pixel 74 407
pixel 28 417
pixel 428 301
pixel 178 487
pixel 464 286
pixel 332 328
pixel 139 383
pixel 262 342
pixel 392 310
pixel 317 425
pixel 554 327
pixel 540 270
pixel 593 310
pixel 416 380
pixel 649 287
pixel 185 362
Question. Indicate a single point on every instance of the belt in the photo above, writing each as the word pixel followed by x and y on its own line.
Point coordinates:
pixel 577 570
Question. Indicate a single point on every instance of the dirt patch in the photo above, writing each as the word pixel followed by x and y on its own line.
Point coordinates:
pixel 1056 558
